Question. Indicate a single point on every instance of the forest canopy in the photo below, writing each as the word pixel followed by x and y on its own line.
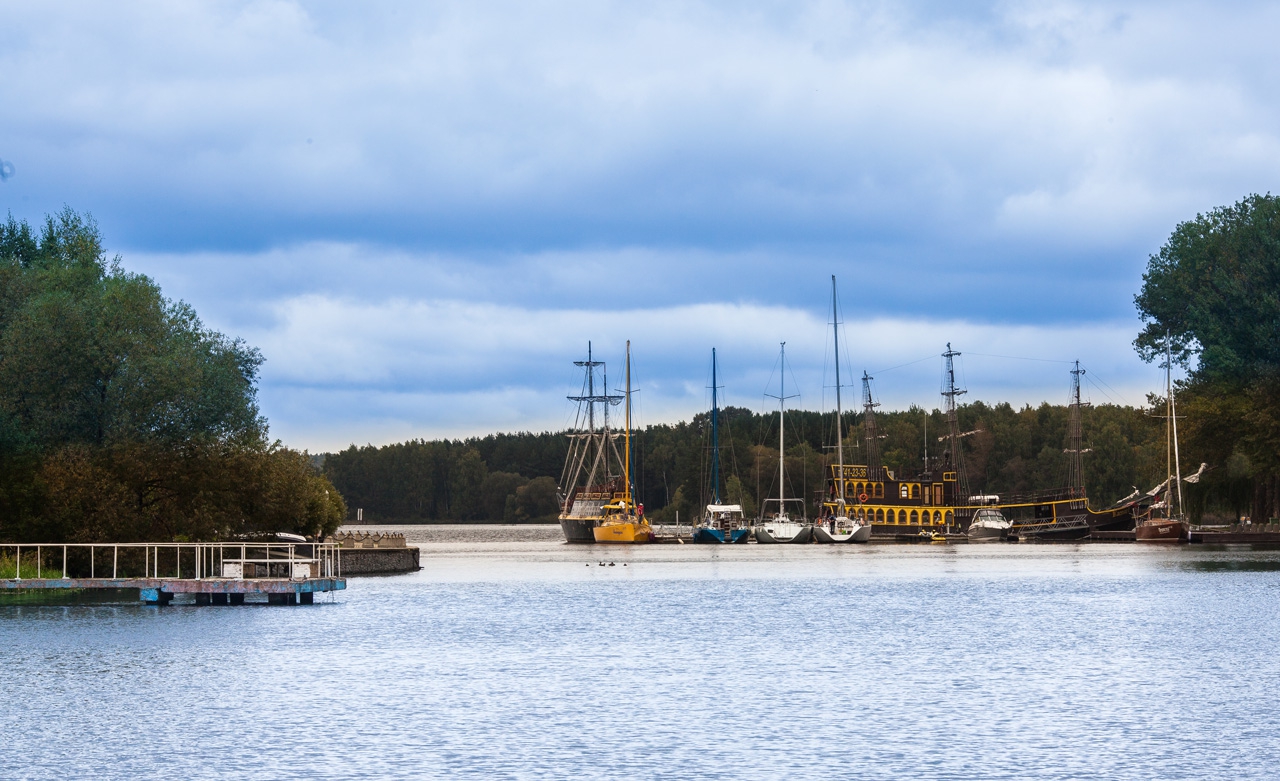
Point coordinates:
pixel 121 416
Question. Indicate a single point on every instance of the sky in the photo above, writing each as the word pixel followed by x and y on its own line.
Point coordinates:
pixel 421 213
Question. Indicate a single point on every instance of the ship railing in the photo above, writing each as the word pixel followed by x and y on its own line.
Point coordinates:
pixel 171 560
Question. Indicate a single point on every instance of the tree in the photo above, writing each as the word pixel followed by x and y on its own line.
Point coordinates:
pixel 1213 292
pixel 121 416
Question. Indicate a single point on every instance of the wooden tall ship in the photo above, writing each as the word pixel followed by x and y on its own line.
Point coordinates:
pixel 930 502
pixel 937 500
pixel 594 468
pixel 1065 514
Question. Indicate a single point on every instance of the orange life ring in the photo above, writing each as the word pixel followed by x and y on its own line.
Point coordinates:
pixel 863 498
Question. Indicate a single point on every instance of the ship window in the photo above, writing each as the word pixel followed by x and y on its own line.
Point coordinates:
pixel 915 490
pixel 937 517
pixel 880 515
pixel 902 516
pixel 880 490
pixel 949 517
pixel 861 489
pixel 914 516
pixel 904 492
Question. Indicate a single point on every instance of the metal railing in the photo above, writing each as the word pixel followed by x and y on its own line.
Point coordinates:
pixel 171 560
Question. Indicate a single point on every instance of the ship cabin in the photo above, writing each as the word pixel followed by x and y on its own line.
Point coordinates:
pixel 894 505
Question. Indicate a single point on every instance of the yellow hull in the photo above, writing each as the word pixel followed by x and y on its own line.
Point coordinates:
pixel 627 533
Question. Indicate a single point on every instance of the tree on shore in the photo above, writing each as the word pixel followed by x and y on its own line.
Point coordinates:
pixel 1213 291
pixel 121 416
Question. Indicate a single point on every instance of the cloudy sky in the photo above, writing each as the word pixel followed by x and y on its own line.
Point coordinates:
pixel 421 212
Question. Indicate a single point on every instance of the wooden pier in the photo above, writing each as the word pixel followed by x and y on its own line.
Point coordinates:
pixel 286 573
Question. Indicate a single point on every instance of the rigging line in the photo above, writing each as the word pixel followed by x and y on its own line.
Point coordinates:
pixel 1017 358
pixel 904 365
pixel 1123 400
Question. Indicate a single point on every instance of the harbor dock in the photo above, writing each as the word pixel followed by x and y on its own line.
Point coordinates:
pixel 214 573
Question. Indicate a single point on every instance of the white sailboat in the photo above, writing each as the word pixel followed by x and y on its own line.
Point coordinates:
pixel 781 527
pixel 839 527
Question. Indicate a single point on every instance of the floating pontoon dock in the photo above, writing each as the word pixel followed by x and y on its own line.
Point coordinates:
pixel 216 573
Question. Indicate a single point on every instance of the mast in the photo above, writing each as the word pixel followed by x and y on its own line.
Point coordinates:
pixel 835 331
pixel 1172 407
pixel 869 428
pixel 626 495
pixel 1075 464
pixel 589 445
pixel 715 435
pixel 949 391
pixel 782 406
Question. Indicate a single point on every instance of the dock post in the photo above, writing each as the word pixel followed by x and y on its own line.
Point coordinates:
pixel 236 599
pixel 307 598
pixel 204 599
pixel 218 599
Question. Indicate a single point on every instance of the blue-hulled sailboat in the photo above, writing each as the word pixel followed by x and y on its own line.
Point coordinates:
pixel 722 522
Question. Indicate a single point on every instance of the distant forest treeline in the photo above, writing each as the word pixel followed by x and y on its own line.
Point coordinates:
pixel 512 477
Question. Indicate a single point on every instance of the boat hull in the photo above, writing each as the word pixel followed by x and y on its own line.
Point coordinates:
pixel 824 535
pixel 578 529
pixel 625 533
pixel 1161 530
pixel 804 535
pixel 987 534
pixel 705 536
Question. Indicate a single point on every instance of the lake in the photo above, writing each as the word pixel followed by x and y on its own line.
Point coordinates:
pixel 513 655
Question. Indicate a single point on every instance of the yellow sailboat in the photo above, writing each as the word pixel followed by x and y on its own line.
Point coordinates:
pixel 622 522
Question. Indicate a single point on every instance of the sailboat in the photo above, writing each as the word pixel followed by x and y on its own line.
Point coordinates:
pixel 780 528
pixel 623 521
pixel 723 522
pixel 1159 524
pixel 837 527
pixel 593 467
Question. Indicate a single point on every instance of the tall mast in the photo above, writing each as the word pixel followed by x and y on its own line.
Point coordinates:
pixel 1176 471
pixel 715 435
pixel 626 496
pixel 869 428
pixel 1075 464
pixel 950 391
pixel 782 406
pixel 835 330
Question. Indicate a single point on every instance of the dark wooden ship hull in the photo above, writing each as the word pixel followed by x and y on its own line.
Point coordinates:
pixel 579 529
pixel 1161 530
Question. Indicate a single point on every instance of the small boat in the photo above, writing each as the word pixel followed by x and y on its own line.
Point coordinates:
pixel 988 525
pixel 838 527
pixel 623 520
pixel 1159 524
pixel 780 528
pixel 723 522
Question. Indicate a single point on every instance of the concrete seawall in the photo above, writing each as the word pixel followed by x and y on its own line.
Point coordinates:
pixel 379 561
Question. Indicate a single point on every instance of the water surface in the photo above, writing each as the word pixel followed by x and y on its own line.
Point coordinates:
pixel 512 655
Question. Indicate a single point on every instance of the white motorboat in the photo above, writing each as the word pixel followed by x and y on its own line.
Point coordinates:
pixel 988 525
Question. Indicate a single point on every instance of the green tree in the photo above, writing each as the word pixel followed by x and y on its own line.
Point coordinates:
pixel 121 416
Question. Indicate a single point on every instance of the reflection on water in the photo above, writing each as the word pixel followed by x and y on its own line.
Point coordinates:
pixel 512 657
